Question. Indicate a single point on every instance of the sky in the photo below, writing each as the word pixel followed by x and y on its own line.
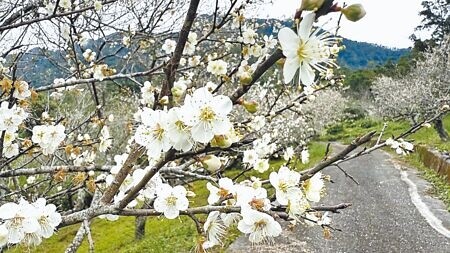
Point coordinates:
pixel 387 22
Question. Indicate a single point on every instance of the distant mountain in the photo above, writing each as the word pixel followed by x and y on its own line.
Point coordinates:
pixel 38 70
pixel 357 55
pixel 360 55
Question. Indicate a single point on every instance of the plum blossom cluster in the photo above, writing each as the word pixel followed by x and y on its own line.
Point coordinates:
pixel 253 200
pixel 202 117
pixel 27 223
pixel 400 146
pixel 48 137
pixel 10 120
pixel 190 132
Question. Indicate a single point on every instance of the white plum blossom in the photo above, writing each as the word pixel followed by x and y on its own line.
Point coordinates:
pixel 31 179
pixel 288 153
pixel 89 55
pixel 217 67
pixel 47 217
pixel 194 61
pixel 148 97
pixel 261 165
pixel 249 197
pixel 105 139
pixel 401 146
pixel 207 115
pixel 152 134
pixel 11 118
pixel 10 150
pixel 215 230
pixel 169 46
pixel 225 189
pixel 20 219
pixel 270 42
pixel 258 122
pixel 250 156
pixel 298 204
pixel 313 187
pixel 307 51
pixel 21 90
pixel 98 5
pixel 285 182
pixel 305 156
pixel 66 4
pixel 261 226
pixel 48 137
pixel 178 131
pixel 171 200
pixel 249 36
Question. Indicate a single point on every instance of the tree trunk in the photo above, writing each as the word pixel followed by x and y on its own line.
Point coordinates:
pixel 439 127
pixel 139 224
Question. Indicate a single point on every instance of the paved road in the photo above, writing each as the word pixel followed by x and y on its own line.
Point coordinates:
pixel 391 212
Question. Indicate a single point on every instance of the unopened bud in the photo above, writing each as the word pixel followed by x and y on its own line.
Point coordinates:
pixel 164 100
pixel 221 141
pixel 245 78
pixel 311 5
pixel 445 107
pixel 354 12
pixel 177 91
pixel 250 106
pixel 211 163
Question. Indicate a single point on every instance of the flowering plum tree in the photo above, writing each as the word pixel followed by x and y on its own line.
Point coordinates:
pixel 147 96
pixel 423 92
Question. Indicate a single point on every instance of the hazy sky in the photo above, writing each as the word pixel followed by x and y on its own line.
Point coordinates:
pixel 387 22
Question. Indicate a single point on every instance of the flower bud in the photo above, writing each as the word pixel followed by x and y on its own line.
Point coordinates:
pixel 250 106
pixel 177 91
pixel 446 107
pixel 245 78
pixel 354 12
pixel 164 100
pixel 211 163
pixel 311 5
pixel 221 141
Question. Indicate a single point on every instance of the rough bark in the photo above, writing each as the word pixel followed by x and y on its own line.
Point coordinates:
pixel 139 225
pixel 439 127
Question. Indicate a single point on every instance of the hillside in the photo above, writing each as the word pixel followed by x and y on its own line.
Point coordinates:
pixel 38 70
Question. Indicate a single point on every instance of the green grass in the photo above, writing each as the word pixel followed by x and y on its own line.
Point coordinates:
pixel 349 130
pixel 162 235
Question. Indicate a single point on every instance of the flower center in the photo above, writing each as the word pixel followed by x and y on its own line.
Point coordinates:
pixel 207 114
pixel 283 186
pixel 257 203
pixel 223 192
pixel 171 200
pixel 180 125
pixel 158 132
pixel 259 225
pixel 301 51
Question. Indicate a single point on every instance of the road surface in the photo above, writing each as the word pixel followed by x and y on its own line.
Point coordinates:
pixel 391 212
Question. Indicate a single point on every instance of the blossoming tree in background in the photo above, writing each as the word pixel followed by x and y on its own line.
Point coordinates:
pixel 148 96
pixel 420 94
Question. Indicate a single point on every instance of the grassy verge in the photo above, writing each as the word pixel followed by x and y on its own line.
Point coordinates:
pixel 162 235
pixel 349 130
